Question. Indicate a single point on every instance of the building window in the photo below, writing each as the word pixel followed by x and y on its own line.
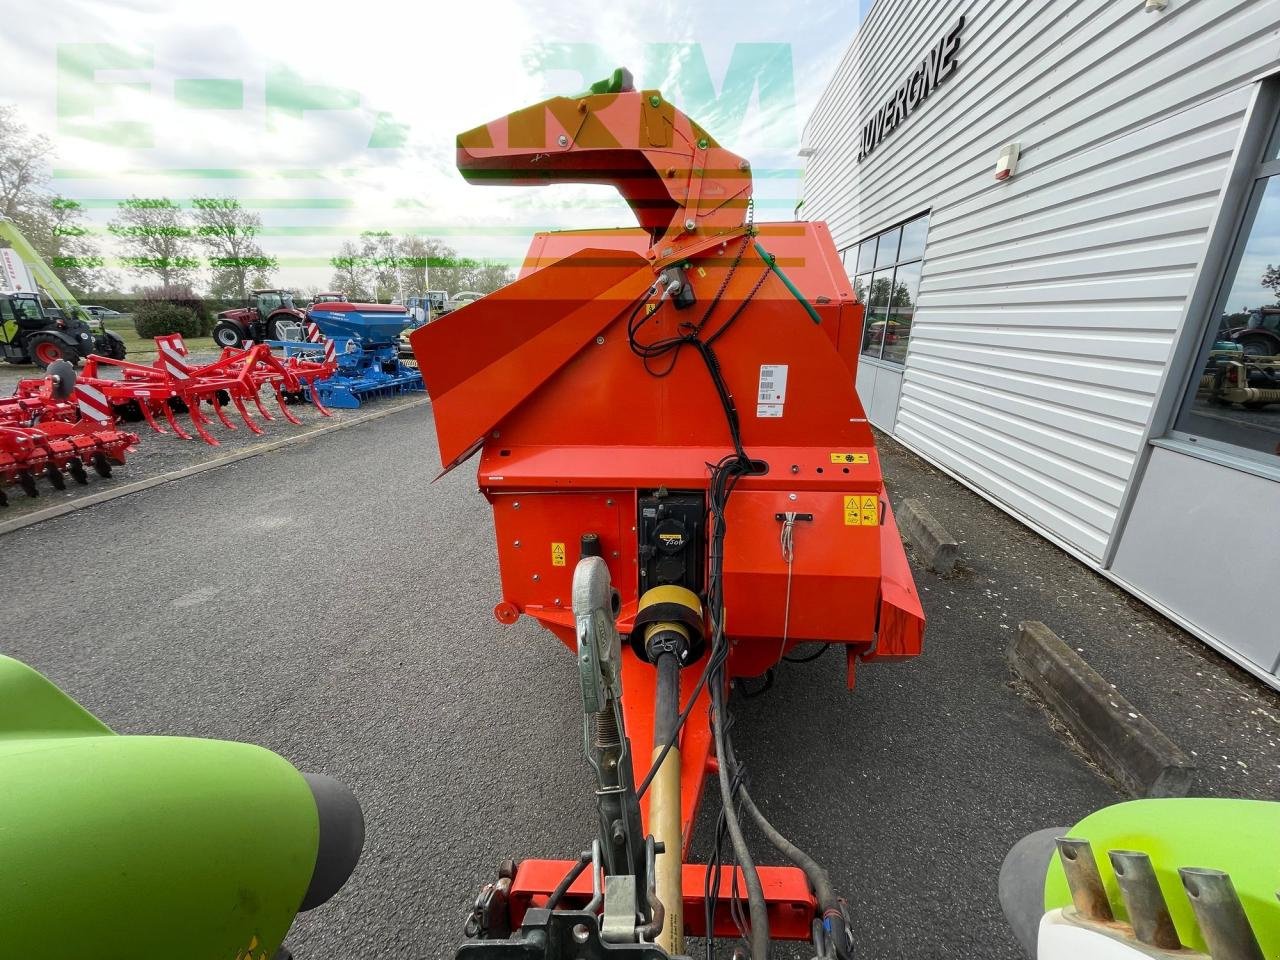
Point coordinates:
pixel 885 270
pixel 1233 398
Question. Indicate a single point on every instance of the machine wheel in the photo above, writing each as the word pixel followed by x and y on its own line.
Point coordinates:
pixel 112 346
pixel 227 334
pixel 129 411
pixel 46 348
pixel 101 465
pixel 77 471
pixel 1257 345
pixel 55 477
pixel 1256 404
pixel 28 484
pixel 4 499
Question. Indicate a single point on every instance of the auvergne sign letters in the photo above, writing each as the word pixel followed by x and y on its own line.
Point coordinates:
pixel 939 64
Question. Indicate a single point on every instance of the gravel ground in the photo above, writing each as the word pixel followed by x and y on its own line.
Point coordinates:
pixel 158 454
pixel 339 612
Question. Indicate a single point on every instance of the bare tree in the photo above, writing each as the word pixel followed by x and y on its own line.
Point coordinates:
pixel 55 226
pixel 228 232
pixel 52 224
pixel 381 252
pixel 351 274
pixel 24 158
pixel 158 240
pixel 1271 280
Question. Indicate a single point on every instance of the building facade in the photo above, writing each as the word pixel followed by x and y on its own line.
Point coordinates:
pixel 1064 220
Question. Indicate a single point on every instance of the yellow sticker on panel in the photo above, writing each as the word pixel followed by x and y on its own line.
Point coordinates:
pixel 557 554
pixel 862 510
pixel 870 511
pixel 850 458
pixel 852 515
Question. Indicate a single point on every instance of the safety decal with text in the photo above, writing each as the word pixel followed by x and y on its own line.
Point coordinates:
pixel 862 510
pixel 850 458
pixel 772 394
pixel 557 554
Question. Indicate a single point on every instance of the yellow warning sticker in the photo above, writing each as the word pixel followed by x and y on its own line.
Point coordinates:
pixel 557 554
pixel 862 511
pixel 702 271
pixel 850 458
pixel 649 308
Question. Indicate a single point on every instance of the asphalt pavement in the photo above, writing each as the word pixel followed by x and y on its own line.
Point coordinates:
pixel 330 602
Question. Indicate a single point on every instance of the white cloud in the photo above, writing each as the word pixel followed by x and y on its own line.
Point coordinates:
pixel 437 68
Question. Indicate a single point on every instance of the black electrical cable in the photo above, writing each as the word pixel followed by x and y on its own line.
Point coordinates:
pixel 749 694
pixel 724 477
pixel 574 872
pixel 808 658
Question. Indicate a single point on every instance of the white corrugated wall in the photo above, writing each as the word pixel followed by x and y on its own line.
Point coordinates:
pixel 1048 303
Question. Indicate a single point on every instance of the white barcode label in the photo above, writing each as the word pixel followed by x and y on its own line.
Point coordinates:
pixel 772 393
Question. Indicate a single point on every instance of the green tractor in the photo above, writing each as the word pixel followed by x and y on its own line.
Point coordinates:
pixel 30 334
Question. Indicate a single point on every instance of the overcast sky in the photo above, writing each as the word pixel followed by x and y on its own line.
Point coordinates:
pixel 334 119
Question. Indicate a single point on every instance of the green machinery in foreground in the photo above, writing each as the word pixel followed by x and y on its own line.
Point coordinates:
pixel 148 847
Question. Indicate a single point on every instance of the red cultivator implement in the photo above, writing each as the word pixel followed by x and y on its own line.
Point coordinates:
pixel 172 386
pixel 41 432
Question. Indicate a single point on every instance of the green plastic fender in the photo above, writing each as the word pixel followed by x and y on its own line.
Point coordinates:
pixel 140 847
pixel 1241 837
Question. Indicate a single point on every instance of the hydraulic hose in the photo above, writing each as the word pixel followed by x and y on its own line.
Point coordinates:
pixel 819 879
pixel 759 913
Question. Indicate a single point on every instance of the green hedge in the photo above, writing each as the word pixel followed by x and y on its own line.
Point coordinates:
pixel 157 317
pixel 180 295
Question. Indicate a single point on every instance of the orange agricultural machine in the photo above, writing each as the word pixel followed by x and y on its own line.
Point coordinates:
pixel 675 454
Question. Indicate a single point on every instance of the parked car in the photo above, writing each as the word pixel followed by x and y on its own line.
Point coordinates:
pixel 104 313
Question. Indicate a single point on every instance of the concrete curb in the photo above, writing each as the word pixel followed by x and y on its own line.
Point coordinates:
pixel 1121 740
pixel 932 543
pixel 102 496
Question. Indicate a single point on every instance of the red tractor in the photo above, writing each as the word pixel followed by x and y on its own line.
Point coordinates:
pixel 259 321
pixel 1260 334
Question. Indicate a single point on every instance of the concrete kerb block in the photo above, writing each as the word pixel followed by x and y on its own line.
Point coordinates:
pixel 930 539
pixel 1123 742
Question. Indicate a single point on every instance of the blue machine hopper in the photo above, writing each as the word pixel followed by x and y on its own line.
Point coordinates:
pixel 366 344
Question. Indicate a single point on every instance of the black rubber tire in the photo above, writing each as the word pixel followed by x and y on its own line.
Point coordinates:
pixel 226 334
pixel 28 484
pixel 4 499
pixel 77 471
pixel 113 346
pixel 129 411
pixel 45 348
pixel 101 465
pixel 1257 345
pixel 55 477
